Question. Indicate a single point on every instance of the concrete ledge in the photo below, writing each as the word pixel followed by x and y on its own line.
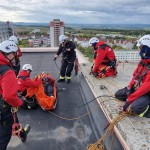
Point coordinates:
pixel 40 49
pixel 133 131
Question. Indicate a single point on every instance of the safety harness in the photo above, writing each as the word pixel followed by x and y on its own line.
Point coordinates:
pixel 138 79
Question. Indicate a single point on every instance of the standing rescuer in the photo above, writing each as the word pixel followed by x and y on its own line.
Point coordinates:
pixel 9 95
pixel 67 48
pixel 137 94
pixel 16 65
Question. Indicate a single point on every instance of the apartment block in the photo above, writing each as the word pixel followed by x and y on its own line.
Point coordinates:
pixel 6 30
pixel 56 29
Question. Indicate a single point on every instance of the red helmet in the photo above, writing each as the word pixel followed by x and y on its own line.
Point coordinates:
pixel 100 43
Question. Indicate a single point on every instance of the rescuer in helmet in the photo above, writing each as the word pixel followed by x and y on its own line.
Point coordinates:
pixel 17 57
pixel 104 59
pixel 9 96
pixel 67 48
pixel 137 94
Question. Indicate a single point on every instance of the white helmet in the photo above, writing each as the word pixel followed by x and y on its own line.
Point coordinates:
pixel 62 38
pixel 27 67
pixel 144 40
pixel 93 40
pixel 14 39
pixel 8 46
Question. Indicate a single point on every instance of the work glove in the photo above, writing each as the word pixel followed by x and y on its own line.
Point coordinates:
pixel 128 91
pixel 55 57
pixel 124 107
pixel 95 74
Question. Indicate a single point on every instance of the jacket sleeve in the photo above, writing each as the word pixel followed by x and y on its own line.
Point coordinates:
pixel 59 50
pixel 101 54
pixel 32 83
pixel 10 89
pixel 19 53
pixel 142 90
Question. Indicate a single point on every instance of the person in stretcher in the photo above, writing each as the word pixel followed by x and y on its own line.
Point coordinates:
pixel 48 84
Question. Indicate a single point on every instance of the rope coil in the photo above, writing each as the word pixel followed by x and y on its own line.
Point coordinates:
pixel 99 145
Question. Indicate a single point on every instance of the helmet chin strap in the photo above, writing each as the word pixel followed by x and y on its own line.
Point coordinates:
pixel 10 60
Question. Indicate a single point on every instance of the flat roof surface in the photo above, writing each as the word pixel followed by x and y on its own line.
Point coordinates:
pixel 49 132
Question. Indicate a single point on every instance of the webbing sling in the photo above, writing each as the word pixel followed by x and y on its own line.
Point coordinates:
pixel 143 74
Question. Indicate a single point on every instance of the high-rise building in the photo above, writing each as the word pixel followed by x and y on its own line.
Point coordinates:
pixel 6 30
pixel 56 29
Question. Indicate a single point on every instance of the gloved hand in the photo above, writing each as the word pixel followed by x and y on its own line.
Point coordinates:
pixel 128 91
pixel 95 74
pixel 55 57
pixel 124 107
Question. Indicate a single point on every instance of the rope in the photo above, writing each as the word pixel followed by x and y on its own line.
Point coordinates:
pixel 69 119
pixel 16 127
pixel 86 103
pixel 99 145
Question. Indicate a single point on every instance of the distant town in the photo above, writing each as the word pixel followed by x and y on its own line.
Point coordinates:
pixel 119 37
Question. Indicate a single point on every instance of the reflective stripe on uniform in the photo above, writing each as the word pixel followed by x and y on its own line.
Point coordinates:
pixel 61 77
pixel 142 114
pixel 68 77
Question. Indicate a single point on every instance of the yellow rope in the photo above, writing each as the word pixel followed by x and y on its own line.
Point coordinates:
pixel 94 109
pixel 99 145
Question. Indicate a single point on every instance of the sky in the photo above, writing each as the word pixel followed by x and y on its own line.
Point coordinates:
pixel 76 11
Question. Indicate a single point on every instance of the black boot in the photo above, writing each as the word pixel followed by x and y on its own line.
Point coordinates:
pixel 25 131
pixel 60 80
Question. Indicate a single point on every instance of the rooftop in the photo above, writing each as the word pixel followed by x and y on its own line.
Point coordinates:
pixel 51 132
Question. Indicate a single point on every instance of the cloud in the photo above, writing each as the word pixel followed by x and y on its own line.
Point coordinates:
pixel 77 11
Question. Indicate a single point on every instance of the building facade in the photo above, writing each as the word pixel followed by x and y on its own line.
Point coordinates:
pixel 6 30
pixel 56 29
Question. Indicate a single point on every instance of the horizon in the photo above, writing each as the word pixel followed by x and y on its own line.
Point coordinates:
pixel 77 12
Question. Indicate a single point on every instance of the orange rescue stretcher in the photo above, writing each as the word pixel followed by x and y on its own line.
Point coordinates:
pixel 46 102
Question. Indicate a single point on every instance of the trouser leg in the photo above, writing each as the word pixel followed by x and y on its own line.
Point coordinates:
pixel 6 123
pixel 69 69
pixel 140 105
pixel 63 68
pixel 121 94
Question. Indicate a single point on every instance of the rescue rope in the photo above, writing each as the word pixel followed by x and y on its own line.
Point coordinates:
pixel 76 118
pixel 86 103
pixel 58 69
pixel 16 127
pixel 100 145
pixel 56 65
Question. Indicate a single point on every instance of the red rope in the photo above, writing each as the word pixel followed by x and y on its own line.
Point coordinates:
pixel 16 127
